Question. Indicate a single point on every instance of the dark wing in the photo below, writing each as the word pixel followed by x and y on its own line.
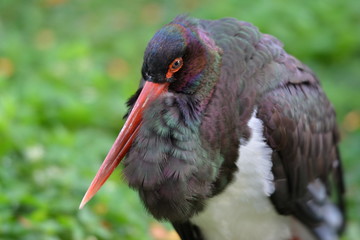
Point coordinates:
pixel 300 126
pixel 188 231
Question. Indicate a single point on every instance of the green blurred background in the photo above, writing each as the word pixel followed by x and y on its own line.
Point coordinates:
pixel 66 70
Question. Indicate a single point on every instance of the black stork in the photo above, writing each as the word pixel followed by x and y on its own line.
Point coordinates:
pixel 229 137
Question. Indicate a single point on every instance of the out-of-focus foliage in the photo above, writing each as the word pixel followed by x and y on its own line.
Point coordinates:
pixel 66 70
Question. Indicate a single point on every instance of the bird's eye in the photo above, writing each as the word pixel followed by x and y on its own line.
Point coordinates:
pixel 174 67
pixel 176 64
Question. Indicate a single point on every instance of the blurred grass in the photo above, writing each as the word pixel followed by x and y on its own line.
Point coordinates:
pixel 66 70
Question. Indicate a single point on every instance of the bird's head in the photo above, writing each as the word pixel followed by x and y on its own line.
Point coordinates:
pixel 165 160
pixel 181 55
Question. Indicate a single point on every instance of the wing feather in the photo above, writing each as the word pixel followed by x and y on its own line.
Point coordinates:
pixel 300 126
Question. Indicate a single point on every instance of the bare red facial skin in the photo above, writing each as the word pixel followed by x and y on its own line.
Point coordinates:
pixel 175 66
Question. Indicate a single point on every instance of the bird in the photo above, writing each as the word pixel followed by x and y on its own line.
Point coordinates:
pixel 230 137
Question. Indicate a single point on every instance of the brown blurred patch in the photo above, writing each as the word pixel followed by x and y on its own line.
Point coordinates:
pixel 106 224
pixel 191 4
pixel 6 67
pixel 44 39
pixel 117 68
pixel 159 232
pixel 24 222
pixel 121 19
pixel 352 121
pixel 101 208
pixel 151 14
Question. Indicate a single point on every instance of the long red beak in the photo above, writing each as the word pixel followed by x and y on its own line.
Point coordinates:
pixel 122 144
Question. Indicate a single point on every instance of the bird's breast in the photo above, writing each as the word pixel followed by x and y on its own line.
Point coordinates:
pixel 243 210
pixel 167 163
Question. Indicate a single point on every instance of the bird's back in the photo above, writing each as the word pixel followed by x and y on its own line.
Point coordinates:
pixel 280 106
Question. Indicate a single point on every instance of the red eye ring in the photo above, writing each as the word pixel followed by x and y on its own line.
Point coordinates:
pixel 175 66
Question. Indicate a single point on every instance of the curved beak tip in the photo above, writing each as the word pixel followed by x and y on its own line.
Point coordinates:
pixel 83 203
pixel 85 199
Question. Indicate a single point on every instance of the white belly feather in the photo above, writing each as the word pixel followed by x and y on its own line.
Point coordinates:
pixel 244 211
